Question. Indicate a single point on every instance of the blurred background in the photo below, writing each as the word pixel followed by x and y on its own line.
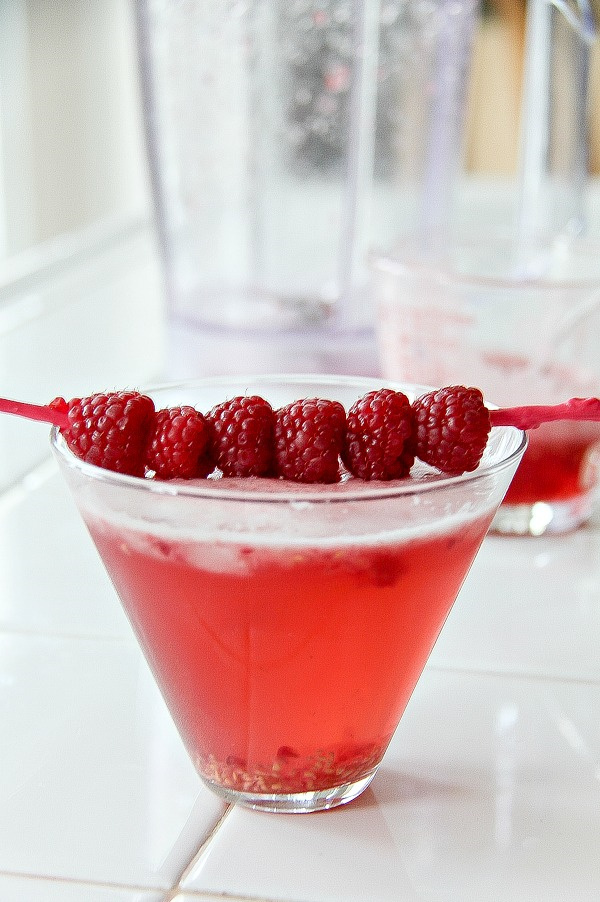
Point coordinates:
pixel 71 135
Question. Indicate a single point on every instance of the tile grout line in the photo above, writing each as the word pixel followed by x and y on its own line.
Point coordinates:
pixel 167 895
pixel 174 893
pixel 187 868
pixel 131 641
pixel 534 676
pixel 81 881
pixel 45 633
pixel 12 494
pixel 205 895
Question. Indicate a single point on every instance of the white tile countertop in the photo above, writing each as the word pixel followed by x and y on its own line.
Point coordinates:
pixel 489 792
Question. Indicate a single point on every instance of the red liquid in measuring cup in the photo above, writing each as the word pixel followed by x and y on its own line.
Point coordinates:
pixel 559 464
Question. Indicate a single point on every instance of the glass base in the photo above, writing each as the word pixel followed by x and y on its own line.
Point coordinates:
pixel 542 517
pixel 294 802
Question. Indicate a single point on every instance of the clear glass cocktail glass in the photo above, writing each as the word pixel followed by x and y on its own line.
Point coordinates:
pixel 287 625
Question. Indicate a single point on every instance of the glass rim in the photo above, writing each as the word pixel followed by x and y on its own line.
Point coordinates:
pixel 326 493
pixel 391 263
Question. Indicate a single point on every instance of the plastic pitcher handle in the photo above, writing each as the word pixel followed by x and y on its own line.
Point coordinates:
pixel 554 143
pixel 581 18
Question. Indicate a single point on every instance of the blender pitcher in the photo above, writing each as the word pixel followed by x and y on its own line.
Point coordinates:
pixel 286 137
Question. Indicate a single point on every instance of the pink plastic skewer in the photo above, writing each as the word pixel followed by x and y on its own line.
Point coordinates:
pixel 534 415
pixel 44 413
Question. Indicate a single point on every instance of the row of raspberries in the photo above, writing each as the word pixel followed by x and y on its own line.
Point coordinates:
pixel 378 438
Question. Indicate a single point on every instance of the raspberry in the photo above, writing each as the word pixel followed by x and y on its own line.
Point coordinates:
pixel 110 429
pixel 243 442
pixel 309 437
pixel 452 428
pixel 179 444
pixel 379 436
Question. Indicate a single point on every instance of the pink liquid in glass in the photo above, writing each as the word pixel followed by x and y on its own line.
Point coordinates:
pixel 287 667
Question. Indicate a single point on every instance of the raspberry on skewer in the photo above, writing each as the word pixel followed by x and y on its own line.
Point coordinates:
pixel 108 429
pixel 380 436
pixel 447 428
pixel 179 444
pixel 309 438
pixel 243 441
pixel 452 426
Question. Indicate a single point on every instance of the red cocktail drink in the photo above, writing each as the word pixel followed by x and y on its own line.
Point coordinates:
pixel 287 665
pixel 286 624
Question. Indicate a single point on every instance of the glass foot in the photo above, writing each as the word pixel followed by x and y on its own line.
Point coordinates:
pixel 542 517
pixel 294 802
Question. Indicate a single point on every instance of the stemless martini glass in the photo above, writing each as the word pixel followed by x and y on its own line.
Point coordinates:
pixel 287 625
